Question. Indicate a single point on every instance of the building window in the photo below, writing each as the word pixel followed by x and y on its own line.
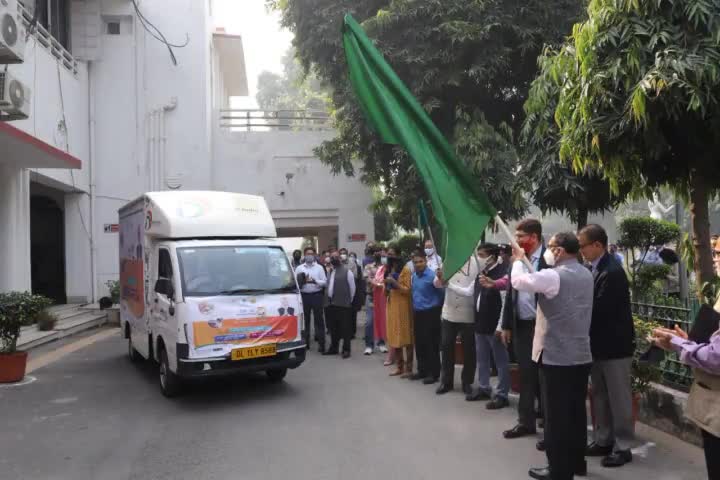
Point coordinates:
pixel 113 28
pixel 54 15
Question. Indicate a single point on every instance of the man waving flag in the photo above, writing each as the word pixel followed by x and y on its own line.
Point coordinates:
pixel 462 210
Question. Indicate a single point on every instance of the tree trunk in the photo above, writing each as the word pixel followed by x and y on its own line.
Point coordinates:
pixel 700 218
pixel 582 218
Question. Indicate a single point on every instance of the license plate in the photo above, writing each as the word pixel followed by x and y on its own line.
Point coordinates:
pixel 254 352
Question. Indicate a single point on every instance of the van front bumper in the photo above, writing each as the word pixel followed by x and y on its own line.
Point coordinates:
pixel 210 367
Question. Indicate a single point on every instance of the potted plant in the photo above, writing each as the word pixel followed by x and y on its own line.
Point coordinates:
pixel 17 309
pixel 114 288
pixel 45 321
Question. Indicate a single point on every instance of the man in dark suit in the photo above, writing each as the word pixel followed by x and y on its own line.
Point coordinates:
pixel 518 326
pixel 612 339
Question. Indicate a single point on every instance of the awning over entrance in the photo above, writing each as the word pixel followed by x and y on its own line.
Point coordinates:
pixel 23 150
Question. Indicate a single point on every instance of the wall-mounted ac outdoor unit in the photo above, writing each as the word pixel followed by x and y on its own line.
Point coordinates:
pixel 12 33
pixel 14 98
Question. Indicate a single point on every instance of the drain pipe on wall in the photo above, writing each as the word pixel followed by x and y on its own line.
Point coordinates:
pixel 91 172
pixel 169 107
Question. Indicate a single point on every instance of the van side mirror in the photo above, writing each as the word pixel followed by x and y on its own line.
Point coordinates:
pixel 165 287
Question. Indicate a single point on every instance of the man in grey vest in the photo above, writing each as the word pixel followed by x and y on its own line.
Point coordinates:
pixel 562 349
pixel 340 294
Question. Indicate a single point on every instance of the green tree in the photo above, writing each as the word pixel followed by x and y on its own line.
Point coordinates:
pixel 469 63
pixel 293 90
pixel 637 97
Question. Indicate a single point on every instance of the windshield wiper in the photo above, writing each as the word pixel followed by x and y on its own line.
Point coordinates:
pixel 258 291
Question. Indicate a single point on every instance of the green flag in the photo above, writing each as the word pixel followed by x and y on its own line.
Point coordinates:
pixel 422 215
pixel 461 208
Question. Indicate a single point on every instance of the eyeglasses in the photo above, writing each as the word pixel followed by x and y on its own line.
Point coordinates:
pixel 716 253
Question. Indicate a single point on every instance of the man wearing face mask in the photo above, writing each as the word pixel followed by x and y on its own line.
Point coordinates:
pixel 434 261
pixel 518 325
pixel 561 347
pixel 312 278
pixel 340 294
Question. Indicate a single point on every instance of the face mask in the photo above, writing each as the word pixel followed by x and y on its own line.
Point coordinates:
pixel 429 251
pixel 327 259
pixel 549 257
pixel 482 263
pixel 309 260
pixel 378 258
pixel 297 257
pixel 383 260
pixel 527 245
pixel 343 257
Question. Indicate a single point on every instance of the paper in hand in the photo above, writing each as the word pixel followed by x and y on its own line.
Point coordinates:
pixel 706 324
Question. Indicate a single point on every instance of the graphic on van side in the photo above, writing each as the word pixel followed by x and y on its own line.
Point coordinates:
pixel 132 275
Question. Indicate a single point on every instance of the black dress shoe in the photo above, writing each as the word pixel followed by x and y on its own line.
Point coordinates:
pixel 430 380
pixel 519 431
pixel 597 450
pixel 443 389
pixel 581 470
pixel 478 395
pixel 540 446
pixel 321 349
pixel 418 376
pixel 330 352
pixel 497 403
pixel 346 354
pixel 467 388
pixel 617 459
pixel 540 473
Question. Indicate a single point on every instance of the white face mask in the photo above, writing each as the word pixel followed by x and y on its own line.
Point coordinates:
pixel 549 257
pixel 482 263
pixel 383 260
pixel 343 257
pixel 429 251
pixel 309 260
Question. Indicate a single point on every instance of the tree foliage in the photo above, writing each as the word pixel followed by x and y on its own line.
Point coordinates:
pixel 469 63
pixel 634 93
pixel 293 90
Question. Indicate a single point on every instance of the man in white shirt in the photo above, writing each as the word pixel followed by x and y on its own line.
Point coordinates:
pixel 561 347
pixel 312 280
pixel 434 261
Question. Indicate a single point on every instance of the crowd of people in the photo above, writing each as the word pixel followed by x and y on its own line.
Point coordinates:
pixel 561 310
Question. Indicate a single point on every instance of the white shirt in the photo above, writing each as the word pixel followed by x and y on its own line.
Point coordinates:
pixel 526 302
pixel 317 273
pixel 469 291
pixel 545 281
pixel 350 280
pixel 434 261
pixel 458 308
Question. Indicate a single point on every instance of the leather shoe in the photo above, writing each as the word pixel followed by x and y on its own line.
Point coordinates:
pixel 519 431
pixel 477 396
pixel 540 473
pixel 443 389
pixel 617 459
pixel 540 446
pixel 430 380
pixel 497 403
pixel 417 376
pixel 597 450
pixel 330 352
pixel 467 388
pixel 346 355
pixel 581 470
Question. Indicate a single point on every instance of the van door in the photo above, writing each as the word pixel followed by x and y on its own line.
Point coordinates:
pixel 164 295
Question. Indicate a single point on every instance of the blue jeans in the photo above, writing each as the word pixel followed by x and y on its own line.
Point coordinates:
pixel 485 346
pixel 369 333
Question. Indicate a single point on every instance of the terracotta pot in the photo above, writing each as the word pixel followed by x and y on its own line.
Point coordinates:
pixel 515 383
pixel 458 352
pixel 12 366
pixel 635 406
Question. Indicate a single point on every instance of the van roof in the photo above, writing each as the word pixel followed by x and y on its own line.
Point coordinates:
pixel 207 214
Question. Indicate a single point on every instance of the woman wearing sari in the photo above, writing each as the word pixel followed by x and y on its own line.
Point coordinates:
pixel 399 314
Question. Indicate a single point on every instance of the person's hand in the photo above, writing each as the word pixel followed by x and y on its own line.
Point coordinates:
pixel 662 337
pixel 681 333
pixel 506 337
pixel 390 281
pixel 439 274
pixel 310 280
pixel 499 334
pixel 486 282
pixel 518 253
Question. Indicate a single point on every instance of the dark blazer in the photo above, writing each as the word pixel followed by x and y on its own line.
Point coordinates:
pixel 510 316
pixel 612 332
pixel 487 315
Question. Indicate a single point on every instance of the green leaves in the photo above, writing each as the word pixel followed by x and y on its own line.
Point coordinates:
pixel 17 309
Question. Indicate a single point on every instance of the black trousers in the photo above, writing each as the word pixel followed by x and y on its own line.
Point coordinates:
pixel 564 390
pixel 353 323
pixel 529 377
pixel 450 331
pixel 313 304
pixel 711 445
pixel 339 322
pixel 427 341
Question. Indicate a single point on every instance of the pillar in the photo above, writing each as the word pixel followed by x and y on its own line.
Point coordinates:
pixel 14 229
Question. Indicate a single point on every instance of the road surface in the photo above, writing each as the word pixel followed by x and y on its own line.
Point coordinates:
pixel 92 415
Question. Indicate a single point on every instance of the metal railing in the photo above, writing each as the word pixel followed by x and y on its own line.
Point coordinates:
pixel 50 43
pixel 250 120
pixel 670 312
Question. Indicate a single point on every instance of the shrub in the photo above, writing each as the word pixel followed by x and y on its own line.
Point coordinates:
pixel 18 309
pixel 114 288
pixel 407 244
pixel 45 321
pixel 643 374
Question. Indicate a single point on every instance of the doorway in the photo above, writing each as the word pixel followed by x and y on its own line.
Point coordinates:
pixel 47 248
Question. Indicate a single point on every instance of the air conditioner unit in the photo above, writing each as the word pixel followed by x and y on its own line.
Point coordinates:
pixel 14 98
pixel 12 33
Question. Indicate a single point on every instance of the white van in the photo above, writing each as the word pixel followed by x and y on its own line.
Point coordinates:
pixel 205 288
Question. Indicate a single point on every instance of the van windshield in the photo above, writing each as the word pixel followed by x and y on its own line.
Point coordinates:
pixel 228 270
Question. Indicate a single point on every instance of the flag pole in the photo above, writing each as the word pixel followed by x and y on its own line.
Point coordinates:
pixel 513 242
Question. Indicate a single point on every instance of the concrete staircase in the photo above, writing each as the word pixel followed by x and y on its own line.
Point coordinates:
pixel 72 319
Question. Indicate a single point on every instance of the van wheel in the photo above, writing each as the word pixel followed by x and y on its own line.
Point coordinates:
pixel 276 375
pixel 132 354
pixel 170 385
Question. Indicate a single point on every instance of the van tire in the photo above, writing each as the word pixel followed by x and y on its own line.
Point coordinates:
pixel 132 354
pixel 276 375
pixel 170 385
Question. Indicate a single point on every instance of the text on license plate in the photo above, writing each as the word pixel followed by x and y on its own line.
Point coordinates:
pixel 254 352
